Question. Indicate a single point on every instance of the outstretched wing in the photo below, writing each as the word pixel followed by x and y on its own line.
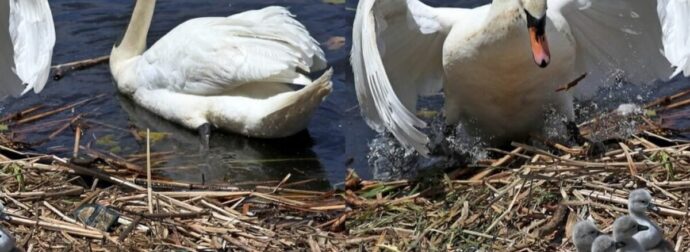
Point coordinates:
pixel 33 37
pixel 396 56
pixel 639 40
pixel 209 56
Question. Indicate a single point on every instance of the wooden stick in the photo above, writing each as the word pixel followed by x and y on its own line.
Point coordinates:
pixel 100 175
pixel 667 99
pixel 174 185
pixel 39 194
pixel 75 230
pixel 52 112
pixel 129 229
pixel 21 113
pixel 282 182
pixel 505 159
pixel 571 84
pixel 287 190
pixel 58 213
pixel 61 70
pixel 77 138
pixel 622 201
pixel 214 194
pixel 64 127
pixel 631 165
pixel 148 170
pixel 677 104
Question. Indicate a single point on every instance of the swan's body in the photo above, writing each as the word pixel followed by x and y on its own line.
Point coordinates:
pixel 232 72
pixel 481 59
pixel 584 234
pixel 27 38
pixel 604 243
pixel 639 201
pixel 623 230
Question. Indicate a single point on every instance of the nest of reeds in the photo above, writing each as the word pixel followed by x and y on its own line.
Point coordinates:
pixel 526 199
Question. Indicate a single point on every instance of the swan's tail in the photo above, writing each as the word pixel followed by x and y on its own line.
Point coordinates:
pixel 294 113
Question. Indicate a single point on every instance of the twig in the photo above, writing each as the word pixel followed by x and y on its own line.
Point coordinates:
pixel 77 137
pixel 52 112
pixel 61 70
pixel 148 170
pixel 281 182
pixel 571 84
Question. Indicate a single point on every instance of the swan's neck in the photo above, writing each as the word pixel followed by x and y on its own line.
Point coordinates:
pixel 504 14
pixel 637 215
pixel 503 28
pixel 498 6
pixel 133 42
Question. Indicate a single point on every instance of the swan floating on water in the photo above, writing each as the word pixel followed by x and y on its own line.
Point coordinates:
pixel 27 38
pixel 484 59
pixel 230 72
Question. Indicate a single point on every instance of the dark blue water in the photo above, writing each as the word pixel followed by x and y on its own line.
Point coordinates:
pixel 336 138
pixel 88 29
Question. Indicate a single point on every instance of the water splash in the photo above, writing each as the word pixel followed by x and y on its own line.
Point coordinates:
pixel 452 147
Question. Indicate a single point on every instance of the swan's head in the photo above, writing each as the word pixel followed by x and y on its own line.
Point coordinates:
pixel 535 14
pixel 625 227
pixel 640 201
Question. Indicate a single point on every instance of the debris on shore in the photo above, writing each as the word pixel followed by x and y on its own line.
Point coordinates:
pixel 526 199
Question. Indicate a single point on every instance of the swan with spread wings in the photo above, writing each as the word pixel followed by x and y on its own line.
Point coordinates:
pixel 500 64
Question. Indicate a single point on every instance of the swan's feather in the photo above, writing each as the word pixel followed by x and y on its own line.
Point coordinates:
pixel 33 37
pixel 213 55
pixel 675 24
pixel 623 39
pixel 396 56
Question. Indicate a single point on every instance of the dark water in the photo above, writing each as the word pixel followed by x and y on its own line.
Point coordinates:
pixel 88 29
pixel 336 138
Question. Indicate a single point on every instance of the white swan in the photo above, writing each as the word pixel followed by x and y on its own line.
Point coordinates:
pixel 484 58
pixel 27 38
pixel 229 72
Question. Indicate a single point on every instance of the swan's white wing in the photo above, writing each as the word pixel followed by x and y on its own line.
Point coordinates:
pixel 623 38
pixel 675 24
pixel 209 56
pixel 396 56
pixel 33 36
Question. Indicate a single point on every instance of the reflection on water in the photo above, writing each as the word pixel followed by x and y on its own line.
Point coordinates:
pixel 231 157
pixel 336 137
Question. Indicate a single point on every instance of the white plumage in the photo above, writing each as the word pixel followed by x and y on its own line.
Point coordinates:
pixel 481 59
pixel 227 71
pixel 27 38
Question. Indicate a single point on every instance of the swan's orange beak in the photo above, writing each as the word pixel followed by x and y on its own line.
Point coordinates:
pixel 537 37
pixel 540 48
